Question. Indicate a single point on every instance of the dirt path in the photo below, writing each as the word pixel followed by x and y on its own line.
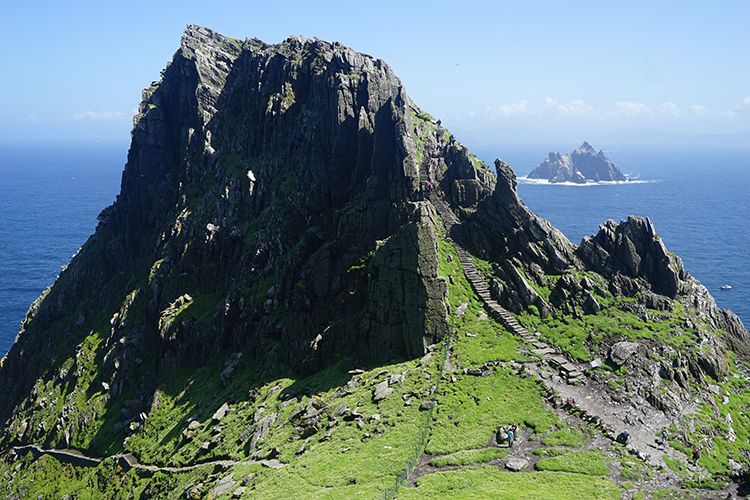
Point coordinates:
pixel 642 422
pixel 567 380
pixel 127 461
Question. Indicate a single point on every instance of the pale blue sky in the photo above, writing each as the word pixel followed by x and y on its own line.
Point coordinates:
pixel 75 70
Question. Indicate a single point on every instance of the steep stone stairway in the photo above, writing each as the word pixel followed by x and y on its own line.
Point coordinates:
pixel 478 282
pixel 611 417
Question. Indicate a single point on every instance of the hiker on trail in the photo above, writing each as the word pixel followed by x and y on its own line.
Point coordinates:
pixel 696 456
pixel 623 437
pixel 511 435
pixel 439 122
pixel 453 139
pixel 664 436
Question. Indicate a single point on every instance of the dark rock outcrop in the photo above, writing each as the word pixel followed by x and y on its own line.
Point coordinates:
pixel 501 228
pixel 632 249
pixel 271 220
pixel 581 166
pixel 269 204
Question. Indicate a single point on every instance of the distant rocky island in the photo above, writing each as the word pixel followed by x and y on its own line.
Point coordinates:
pixel 581 166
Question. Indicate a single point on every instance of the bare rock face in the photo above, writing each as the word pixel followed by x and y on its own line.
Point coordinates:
pixel 502 228
pixel 633 249
pixel 581 166
pixel 622 351
pixel 261 181
pixel 407 311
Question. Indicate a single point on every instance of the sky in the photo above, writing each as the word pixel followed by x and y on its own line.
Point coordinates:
pixel 493 70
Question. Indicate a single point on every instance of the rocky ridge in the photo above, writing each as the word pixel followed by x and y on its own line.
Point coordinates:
pixel 275 221
pixel 581 166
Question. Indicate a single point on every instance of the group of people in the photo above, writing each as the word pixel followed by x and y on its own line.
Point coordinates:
pixel 624 437
pixel 508 434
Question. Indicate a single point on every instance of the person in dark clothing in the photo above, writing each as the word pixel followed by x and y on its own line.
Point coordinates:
pixel 696 456
pixel 623 437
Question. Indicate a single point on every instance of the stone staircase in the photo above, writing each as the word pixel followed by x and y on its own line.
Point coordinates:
pixel 568 370
pixel 597 411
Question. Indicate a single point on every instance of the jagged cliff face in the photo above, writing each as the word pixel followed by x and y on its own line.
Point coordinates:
pixel 269 204
pixel 273 211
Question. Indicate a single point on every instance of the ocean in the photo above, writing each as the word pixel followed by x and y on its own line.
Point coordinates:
pixel 697 197
pixel 50 196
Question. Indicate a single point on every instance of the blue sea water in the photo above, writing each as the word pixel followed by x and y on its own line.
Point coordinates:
pixel 697 197
pixel 50 196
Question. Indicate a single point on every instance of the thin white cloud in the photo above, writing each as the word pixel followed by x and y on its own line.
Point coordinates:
pixel 550 103
pixel 507 110
pixel 743 108
pixel 576 108
pixel 101 115
pixel 699 111
pixel 628 109
pixel 670 110
pixel 551 109
pixel 32 118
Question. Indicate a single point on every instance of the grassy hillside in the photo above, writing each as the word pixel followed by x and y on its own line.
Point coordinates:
pixel 325 436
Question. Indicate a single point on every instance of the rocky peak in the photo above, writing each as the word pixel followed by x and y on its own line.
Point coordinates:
pixel 271 221
pixel 633 249
pixel 502 228
pixel 581 166
pixel 268 183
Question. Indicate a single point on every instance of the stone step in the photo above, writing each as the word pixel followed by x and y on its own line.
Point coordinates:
pixel 568 367
pixel 557 361
pixel 543 351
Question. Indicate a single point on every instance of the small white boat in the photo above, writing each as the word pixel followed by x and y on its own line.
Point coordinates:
pixel 726 287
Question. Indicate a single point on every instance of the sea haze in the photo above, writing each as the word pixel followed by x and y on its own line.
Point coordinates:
pixel 696 196
pixel 49 199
